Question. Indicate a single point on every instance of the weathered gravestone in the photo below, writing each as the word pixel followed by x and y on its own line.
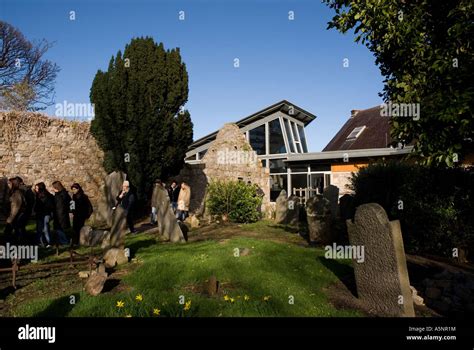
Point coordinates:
pixel 318 214
pixel 346 207
pixel 96 281
pixel 167 223
pixel 293 212
pixel 281 208
pixel 119 228
pixel 382 279
pixel 110 190
pixel 331 193
pixel 91 238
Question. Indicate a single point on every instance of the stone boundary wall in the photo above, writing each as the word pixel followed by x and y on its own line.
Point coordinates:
pixel 41 148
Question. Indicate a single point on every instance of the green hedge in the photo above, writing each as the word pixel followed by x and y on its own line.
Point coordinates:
pixel 434 205
pixel 237 200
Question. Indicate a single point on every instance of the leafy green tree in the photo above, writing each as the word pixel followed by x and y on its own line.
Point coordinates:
pixel 140 122
pixel 424 49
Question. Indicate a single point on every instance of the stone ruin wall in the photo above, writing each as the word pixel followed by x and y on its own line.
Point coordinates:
pixel 41 148
pixel 229 138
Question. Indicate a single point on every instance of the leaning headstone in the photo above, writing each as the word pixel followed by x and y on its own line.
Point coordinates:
pixel 167 223
pixel 382 278
pixel 281 208
pixel 110 190
pixel 331 193
pixel 119 227
pixel 318 214
pixel 293 212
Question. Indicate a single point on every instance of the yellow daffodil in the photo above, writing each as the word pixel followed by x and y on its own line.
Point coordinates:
pixel 266 298
pixel 139 297
pixel 232 300
pixel 120 304
pixel 156 312
pixel 246 298
pixel 187 306
pixel 226 298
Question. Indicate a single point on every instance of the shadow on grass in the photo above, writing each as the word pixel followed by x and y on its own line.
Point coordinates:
pixel 344 272
pixel 141 244
pixel 60 307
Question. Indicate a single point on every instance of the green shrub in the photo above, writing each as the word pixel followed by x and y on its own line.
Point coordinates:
pixel 434 205
pixel 239 201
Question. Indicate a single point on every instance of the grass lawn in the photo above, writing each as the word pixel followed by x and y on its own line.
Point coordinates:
pixel 279 277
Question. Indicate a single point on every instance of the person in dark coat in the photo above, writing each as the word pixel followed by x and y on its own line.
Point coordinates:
pixel 173 192
pixel 16 218
pixel 44 208
pixel 126 199
pixel 81 210
pixel 30 199
pixel 62 202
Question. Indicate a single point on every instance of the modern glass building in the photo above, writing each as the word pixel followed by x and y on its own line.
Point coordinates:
pixel 277 134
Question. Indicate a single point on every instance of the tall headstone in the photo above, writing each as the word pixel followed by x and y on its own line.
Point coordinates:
pixel 166 220
pixel 346 207
pixel 331 193
pixel 382 278
pixel 281 208
pixel 318 214
pixel 110 190
pixel 119 228
pixel 293 212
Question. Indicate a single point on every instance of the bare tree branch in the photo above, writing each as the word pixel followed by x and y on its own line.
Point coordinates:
pixel 26 78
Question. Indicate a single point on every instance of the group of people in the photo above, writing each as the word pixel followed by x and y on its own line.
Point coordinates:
pixel 180 197
pixel 58 208
pixel 47 208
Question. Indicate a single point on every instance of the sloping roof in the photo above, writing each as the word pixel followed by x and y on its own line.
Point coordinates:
pixel 283 106
pixel 376 133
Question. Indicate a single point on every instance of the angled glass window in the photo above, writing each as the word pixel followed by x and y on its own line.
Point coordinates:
pixel 303 139
pixel 257 139
pixel 288 136
pixel 297 138
pixel 277 142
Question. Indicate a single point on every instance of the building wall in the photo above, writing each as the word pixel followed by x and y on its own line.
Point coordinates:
pixel 39 148
pixel 341 174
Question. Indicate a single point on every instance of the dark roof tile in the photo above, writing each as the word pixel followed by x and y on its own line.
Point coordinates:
pixel 375 135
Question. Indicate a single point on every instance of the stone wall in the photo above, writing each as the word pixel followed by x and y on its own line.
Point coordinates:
pixel 40 148
pixel 229 157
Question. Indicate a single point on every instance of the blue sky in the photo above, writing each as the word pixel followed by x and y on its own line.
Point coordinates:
pixel 298 60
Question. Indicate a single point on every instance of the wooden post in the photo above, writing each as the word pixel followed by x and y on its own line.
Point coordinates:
pixel 14 270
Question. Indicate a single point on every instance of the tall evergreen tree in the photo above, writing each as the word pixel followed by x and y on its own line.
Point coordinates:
pixel 140 122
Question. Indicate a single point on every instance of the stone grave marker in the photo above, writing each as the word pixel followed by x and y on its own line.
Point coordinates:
pixel 318 214
pixel 382 279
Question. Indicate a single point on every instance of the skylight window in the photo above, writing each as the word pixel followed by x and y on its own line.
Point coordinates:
pixel 355 133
